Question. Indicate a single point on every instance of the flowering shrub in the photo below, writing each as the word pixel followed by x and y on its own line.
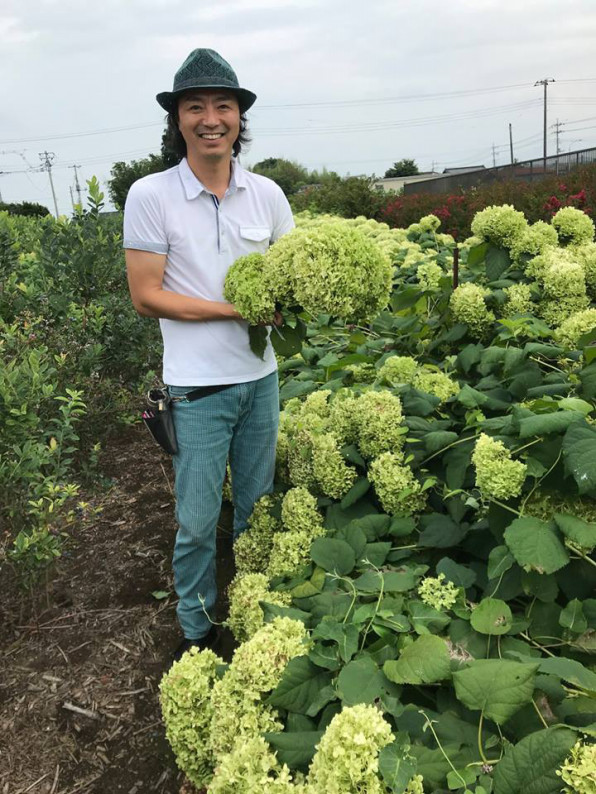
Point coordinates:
pixel 497 475
pixel 501 226
pixel 398 489
pixel 245 613
pixel 468 306
pixel 346 761
pixel 573 226
pixel 579 770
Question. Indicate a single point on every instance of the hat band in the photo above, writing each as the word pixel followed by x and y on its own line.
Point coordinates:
pixel 205 82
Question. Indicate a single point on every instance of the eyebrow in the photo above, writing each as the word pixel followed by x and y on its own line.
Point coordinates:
pixel 198 96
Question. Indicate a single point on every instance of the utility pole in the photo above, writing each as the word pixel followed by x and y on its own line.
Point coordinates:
pixel 47 158
pixel 557 128
pixel 511 142
pixel 545 84
pixel 77 183
pixel 71 198
pixel 494 157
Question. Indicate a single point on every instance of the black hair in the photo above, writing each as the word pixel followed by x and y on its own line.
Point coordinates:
pixel 176 144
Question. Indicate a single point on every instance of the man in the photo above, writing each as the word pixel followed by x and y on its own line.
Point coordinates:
pixel 183 228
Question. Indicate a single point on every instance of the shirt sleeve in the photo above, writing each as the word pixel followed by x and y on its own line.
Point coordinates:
pixel 144 228
pixel 284 220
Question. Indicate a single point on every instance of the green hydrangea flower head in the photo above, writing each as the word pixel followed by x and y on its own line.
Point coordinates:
pixel 415 786
pixel 333 475
pixel 534 240
pixel 574 327
pixel 501 226
pixel 252 768
pixel 340 271
pixel 518 300
pixel 429 275
pixel 394 482
pixel 247 288
pixel 564 292
pixel 586 256
pixel 278 267
pixel 316 404
pixel 362 373
pixel 257 666
pixel 299 512
pixel 497 475
pixel 398 369
pixel 380 423
pixel 573 226
pixel 253 547
pixel 346 760
pixel 429 223
pixel 185 698
pixel 468 305
pixel 300 464
pixel 438 593
pixel 578 771
pixel 343 416
pixel 437 383
pixel 245 612
pixel 290 553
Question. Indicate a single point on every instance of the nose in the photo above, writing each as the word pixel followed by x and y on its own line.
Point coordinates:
pixel 210 117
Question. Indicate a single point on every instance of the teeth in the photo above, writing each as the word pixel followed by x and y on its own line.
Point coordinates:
pixel 212 136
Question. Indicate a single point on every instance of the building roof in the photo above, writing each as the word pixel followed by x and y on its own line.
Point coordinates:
pixel 464 169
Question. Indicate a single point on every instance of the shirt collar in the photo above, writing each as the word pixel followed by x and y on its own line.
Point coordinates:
pixel 193 187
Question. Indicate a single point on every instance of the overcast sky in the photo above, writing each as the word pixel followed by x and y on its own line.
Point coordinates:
pixel 343 84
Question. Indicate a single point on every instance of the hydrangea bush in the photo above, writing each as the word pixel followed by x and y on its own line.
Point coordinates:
pixel 432 532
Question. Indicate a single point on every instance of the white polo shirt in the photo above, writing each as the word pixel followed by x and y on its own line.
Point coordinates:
pixel 172 213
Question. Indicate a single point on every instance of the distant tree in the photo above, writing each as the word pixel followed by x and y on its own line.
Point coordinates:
pixel 290 176
pixel 30 208
pixel 402 168
pixel 124 174
pixel 348 197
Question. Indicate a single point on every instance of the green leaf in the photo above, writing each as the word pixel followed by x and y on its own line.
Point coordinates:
pixel 396 765
pixel 357 490
pixel 491 616
pixel 579 452
pixel 295 749
pixel 530 766
pixel 160 594
pixel 376 553
pixel 543 424
pixel 497 262
pixel 335 556
pixel 570 670
pixel 588 374
pixel 286 341
pixel 500 560
pixel 439 531
pixel 353 535
pixel 461 778
pixel 577 530
pixel 257 337
pixel 496 687
pixel 460 575
pixel 425 661
pixel 439 439
pixel 299 686
pixel 425 619
pixel 360 681
pixel 344 634
pixel 536 545
pixel 573 618
pixel 296 388
pixel 477 254
pixel 402 527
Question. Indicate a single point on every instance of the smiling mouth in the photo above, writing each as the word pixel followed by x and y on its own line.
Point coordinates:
pixel 211 136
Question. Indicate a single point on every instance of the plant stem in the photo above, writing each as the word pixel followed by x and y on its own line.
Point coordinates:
pixel 453 444
pixel 445 756
pixel 480 748
pixel 542 720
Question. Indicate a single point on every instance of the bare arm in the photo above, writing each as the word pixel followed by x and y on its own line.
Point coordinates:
pixel 145 280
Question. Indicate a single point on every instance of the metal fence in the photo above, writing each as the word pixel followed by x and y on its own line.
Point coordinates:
pixel 528 171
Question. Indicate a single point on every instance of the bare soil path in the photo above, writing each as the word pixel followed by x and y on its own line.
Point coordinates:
pixel 80 662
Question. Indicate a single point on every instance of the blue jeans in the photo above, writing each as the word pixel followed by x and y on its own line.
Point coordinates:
pixel 240 423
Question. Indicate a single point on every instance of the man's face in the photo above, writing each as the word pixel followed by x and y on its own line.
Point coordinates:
pixel 209 121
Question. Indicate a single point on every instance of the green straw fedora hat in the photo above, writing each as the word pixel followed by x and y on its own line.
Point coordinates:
pixel 205 69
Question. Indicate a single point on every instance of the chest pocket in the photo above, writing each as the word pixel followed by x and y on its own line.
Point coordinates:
pixel 255 238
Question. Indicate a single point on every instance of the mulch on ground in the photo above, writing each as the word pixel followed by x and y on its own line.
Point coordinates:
pixel 82 657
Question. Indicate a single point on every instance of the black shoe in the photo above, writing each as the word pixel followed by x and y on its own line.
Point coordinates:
pixel 210 640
